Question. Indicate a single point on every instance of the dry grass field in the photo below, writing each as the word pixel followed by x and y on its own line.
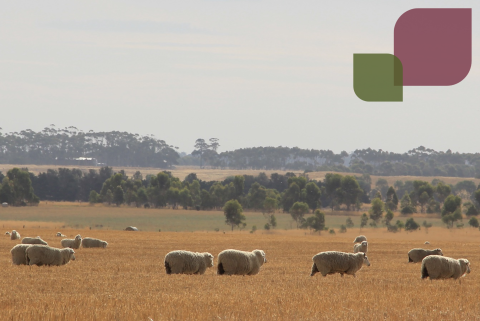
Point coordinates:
pixel 221 174
pixel 127 280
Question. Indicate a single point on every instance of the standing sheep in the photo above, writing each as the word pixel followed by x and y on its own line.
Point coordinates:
pixel 440 267
pixel 33 240
pixel 360 239
pixel 91 242
pixel 332 262
pixel 14 235
pixel 73 244
pixel 18 254
pixel 362 247
pixel 45 255
pixel 185 262
pixel 417 255
pixel 234 262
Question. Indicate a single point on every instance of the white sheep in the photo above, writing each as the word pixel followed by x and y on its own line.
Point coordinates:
pixel 131 228
pixel 7 233
pixel 427 242
pixel 185 262
pixel 72 243
pixel 59 234
pixel 45 255
pixel 361 247
pixel 332 262
pixel 91 242
pixel 33 240
pixel 18 254
pixel 14 235
pixel 417 255
pixel 234 262
pixel 441 267
pixel 360 239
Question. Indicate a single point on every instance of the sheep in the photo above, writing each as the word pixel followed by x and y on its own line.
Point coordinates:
pixel 91 242
pixel 185 262
pixel 234 262
pixel 441 267
pixel 45 255
pixel 18 254
pixel 7 233
pixel 417 255
pixel 14 235
pixel 73 244
pixel 332 262
pixel 59 234
pixel 362 247
pixel 33 240
pixel 131 228
pixel 360 239
pixel 427 242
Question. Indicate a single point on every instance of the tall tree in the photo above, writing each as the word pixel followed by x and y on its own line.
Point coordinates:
pixel 376 211
pixel 312 195
pixel 298 210
pixel 233 213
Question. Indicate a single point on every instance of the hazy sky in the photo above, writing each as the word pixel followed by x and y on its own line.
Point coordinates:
pixel 249 72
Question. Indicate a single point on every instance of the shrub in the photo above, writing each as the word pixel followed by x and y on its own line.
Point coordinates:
pixel 411 225
pixel 343 229
pixel 332 231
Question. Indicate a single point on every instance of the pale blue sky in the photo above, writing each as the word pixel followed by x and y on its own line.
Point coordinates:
pixel 251 73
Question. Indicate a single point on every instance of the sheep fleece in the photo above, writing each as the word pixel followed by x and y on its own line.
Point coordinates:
pixel 362 247
pixel 360 239
pixel 45 255
pixel 417 255
pixel 441 267
pixel 18 254
pixel 72 243
pixel 332 262
pixel 91 242
pixel 186 262
pixel 33 240
pixel 234 262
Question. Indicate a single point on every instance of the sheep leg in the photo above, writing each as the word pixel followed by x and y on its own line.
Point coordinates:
pixel 314 270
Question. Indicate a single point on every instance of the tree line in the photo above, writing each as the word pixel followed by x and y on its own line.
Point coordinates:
pixel 288 193
pixel 65 146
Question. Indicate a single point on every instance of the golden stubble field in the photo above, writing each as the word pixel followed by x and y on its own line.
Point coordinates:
pixel 127 280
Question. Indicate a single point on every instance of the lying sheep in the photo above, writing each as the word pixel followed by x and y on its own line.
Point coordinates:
pixel 427 242
pixel 362 247
pixel 59 234
pixel 45 255
pixel 332 262
pixel 185 262
pixel 73 244
pixel 7 233
pixel 360 239
pixel 91 242
pixel 440 267
pixel 234 262
pixel 417 255
pixel 33 240
pixel 14 235
pixel 18 254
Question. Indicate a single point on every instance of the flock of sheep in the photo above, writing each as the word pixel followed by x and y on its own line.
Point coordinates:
pixel 235 262
pixel 35 251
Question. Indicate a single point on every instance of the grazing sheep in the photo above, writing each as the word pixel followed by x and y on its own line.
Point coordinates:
pixel 59 234
pixel 73 244
pixel 18 254
pixel 362 247
pixel 441 267
pixel 91 242
pixel 185 262
pixel 45 255
pixel 14 235
pixel 234 262
pixel 360 239
pixel 33 240
pixel 332 262
pixel 417 255
pixel 131 228
pixel 427 242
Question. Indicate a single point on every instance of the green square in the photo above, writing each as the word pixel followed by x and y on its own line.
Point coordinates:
pixel 377 77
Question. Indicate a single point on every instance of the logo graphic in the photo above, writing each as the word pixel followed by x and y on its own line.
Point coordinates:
pixel 432 47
